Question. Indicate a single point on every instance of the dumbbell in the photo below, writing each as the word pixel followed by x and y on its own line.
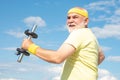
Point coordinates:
pixel 20 51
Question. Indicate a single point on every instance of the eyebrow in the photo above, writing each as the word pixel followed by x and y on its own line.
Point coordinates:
pixel 74 16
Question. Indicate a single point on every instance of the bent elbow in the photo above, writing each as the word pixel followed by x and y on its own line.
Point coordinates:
pixel 58 60
pixel 101 58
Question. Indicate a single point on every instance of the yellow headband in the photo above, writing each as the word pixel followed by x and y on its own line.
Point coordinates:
pixel 80 11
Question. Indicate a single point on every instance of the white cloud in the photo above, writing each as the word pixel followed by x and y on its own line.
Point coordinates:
pixel 113 18
pixel 15 33
pixel 107 31
pixel 27 68
pixel 105 75
pixel 22 69
pixel 117 12
pixel 9 48
pixel 113 58
pixel 110 16
pixel 56 78
pixel 101 6
pixel 55 69
pixel 104 48
pixel 30 21
pixel 9 79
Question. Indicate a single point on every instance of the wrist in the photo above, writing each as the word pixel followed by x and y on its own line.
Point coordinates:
pixel 32 48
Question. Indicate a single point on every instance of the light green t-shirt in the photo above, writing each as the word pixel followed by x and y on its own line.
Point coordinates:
pixel 82 65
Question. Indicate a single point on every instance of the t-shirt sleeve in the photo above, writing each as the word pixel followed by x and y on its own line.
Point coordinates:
pixel 74 39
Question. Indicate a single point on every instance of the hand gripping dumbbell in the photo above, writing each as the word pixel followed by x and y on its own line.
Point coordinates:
pixel 30 34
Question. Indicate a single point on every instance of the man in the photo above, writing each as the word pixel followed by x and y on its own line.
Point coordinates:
pixel 80 50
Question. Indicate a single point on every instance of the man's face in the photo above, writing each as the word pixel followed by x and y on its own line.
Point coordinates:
pixel 75 21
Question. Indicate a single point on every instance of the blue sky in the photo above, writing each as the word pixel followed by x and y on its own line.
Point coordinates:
pixel 50 15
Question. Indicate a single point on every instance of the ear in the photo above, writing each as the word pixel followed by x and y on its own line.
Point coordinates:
pixel 86 21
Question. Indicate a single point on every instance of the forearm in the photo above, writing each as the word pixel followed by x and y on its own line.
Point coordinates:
pixel 48 55
pixel 57 56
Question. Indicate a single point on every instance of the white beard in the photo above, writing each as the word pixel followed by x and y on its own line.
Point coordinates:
pixel 81 25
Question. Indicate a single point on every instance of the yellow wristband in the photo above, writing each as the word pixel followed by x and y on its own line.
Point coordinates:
pixel 32 48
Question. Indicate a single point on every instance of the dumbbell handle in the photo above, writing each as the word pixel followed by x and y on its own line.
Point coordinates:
pixel 29 37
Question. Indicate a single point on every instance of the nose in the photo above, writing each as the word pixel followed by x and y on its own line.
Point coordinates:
pixel 70 20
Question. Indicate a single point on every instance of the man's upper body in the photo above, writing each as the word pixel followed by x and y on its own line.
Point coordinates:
pixel 80 50
pixel 83 63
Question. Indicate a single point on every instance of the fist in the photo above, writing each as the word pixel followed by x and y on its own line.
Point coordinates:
pixel 26 43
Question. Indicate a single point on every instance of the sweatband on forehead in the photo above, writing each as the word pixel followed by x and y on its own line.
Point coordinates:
pixel 80 11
